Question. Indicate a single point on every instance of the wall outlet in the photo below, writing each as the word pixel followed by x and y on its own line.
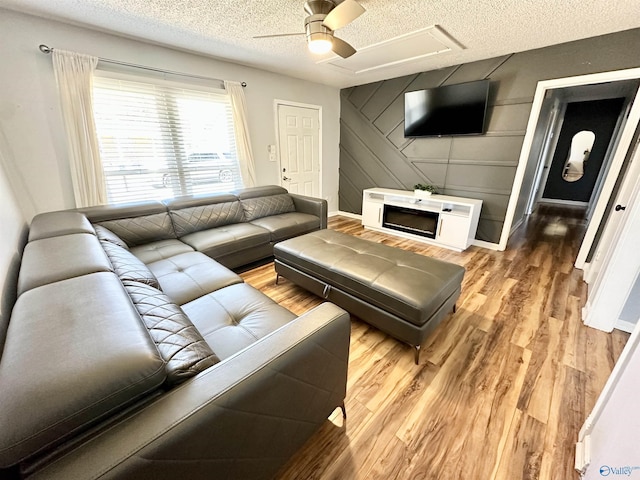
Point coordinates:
pixel 272 152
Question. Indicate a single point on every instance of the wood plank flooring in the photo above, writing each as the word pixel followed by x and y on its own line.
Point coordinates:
pixel 503 385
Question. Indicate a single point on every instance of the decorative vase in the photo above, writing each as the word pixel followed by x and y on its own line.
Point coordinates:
pixel 421 193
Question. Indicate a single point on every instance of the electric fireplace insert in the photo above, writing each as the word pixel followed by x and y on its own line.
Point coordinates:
pixel 409 220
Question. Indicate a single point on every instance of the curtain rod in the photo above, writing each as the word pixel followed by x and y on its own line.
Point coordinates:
pixel 47 50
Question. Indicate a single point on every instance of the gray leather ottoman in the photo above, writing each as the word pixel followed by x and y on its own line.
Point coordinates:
pixel 402 293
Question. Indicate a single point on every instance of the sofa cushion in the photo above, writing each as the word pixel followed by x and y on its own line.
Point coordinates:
pixel 129 267
pixel 191 275
pixel 106 235
pixel 287 225
pixel 52 259
pixel 234 317
pixel 154 251
pixel 259 207
pixel 203 217
pixel 177 339
pixel 227 239
pixel 143 229
pixel 76 351
pixel 54 224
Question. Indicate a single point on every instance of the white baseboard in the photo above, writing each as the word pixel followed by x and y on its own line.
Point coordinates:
pixel 583 455
pixel 625 326
pixel 516 226
pixel 571 203
pixel 345 214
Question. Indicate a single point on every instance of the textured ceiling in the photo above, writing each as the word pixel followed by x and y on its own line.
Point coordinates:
pixel 224 28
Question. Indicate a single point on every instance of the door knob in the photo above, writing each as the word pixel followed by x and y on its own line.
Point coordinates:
pixel 620 207
pixel 285 178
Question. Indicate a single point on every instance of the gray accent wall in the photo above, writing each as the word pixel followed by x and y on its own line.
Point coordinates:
pixel 375 153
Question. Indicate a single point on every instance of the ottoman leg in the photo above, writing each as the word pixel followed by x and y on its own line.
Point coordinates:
pixel 454 308
pixel 344 410
pixel 416 354
pixel 277 278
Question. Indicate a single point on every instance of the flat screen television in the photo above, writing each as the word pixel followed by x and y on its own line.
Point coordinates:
pixel 452 110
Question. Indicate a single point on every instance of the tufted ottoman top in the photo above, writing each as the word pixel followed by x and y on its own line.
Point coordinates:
pixel 410 285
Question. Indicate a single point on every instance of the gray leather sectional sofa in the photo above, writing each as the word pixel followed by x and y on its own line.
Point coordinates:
pixel 132 353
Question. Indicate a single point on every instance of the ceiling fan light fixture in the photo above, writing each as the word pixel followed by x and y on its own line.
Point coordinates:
pixel 320 43
pixel 325 17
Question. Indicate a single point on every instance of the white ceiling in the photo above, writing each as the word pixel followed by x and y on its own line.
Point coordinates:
pixel 224 28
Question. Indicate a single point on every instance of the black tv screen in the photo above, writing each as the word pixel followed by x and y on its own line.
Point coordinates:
pixel 452 110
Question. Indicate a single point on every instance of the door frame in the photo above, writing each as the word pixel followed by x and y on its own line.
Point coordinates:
pixel 552 131
pixel 621 151
pixel 276 104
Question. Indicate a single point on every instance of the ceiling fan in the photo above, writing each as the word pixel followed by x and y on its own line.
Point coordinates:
pixel 324 18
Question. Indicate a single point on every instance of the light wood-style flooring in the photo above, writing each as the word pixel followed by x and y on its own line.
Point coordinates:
pixel 503 385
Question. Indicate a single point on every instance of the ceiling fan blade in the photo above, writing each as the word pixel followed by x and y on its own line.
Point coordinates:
pixel 280 35
pixel 342 48
pixel 343 14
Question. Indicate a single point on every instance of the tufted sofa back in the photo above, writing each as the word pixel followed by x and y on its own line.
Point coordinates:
pixel 265 201
pixel 195 213
pixel 135 223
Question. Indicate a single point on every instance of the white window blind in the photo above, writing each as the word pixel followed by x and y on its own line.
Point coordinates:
pixel 161 140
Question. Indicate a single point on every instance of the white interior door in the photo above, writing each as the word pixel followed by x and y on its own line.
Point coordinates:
pixel 624 145
pixel 299 146
pixel 614 269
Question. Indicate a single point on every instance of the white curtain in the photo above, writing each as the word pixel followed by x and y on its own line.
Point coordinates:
pixel 74 74
pixel 241 126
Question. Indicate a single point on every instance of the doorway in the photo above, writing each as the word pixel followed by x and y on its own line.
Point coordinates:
pixel 299 140
pixel 581 148
pixel 528 172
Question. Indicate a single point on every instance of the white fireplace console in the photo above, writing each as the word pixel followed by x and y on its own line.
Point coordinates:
pixel 449 222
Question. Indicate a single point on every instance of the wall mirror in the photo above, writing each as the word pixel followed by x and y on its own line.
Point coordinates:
pixel 581 145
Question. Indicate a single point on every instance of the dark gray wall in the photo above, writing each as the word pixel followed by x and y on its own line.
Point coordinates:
pixel 374 152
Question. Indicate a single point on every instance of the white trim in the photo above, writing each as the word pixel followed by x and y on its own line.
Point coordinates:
pixel 517 225
pixel 534 116
pixel 625 326
pixel 276 103
pixel 583 455
pixel 619 368
pixel 487 245
pixel 345 214
pixel 571 203
pixel 615 223
pixel 624 146
pixel 615 279
pixel 547 149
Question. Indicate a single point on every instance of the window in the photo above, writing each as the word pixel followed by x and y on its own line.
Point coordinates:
pixel 160 139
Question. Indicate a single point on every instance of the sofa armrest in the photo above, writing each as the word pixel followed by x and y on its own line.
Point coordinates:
pixel 241 418
pixel 312 206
